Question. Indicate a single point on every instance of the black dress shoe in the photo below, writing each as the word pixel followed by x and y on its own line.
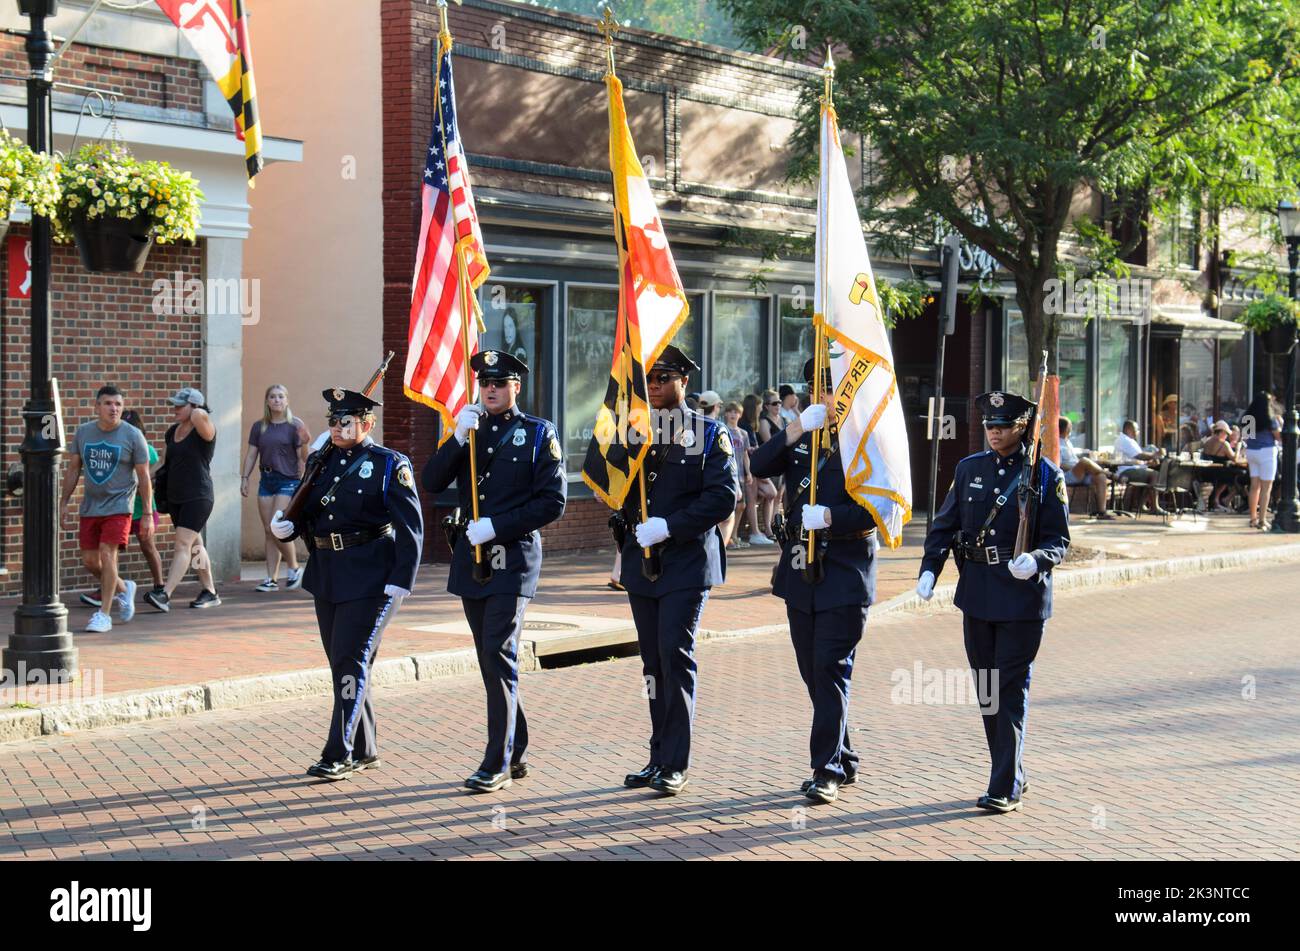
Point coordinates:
pixel 519 770
pixel 332 771
pixel 483 781
pixel 824 789
pixel 642 777
pixel 367 762
pixel 998 804
pixel 848 780
pixel 669 781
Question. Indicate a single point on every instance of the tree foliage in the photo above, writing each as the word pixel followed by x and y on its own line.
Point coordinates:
pixel 993 115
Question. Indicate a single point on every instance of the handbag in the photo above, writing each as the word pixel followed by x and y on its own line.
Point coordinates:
pixel 160 489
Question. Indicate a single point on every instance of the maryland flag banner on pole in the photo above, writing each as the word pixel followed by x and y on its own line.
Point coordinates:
pixel 218 31
pixel 651 308
pixel 450 265
pixel 872 433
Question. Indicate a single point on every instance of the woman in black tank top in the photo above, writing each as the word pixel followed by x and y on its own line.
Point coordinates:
pixel 189 444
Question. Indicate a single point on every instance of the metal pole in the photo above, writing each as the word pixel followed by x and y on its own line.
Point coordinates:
pixel 40 647
pixel 1288 508
pixel 936 424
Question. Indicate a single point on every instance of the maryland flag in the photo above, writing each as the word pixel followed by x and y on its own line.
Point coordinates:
pixel 218 31
pixel 872 432
pixel 651 307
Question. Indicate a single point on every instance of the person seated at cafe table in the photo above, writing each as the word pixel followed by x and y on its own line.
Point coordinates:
pixel 1226 459
pixel 1080 470
pixel 1135 468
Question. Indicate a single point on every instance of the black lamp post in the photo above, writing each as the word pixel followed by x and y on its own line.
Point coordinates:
pixel 40 648
pixel 1288 509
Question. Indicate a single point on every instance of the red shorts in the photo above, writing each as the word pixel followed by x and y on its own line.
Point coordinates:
pixel 135 523
pixel 99 530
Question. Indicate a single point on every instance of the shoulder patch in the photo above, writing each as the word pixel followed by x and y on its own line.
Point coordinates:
pixel 553 445
pixel 724 442
pixel 404 475
pixel 1060 491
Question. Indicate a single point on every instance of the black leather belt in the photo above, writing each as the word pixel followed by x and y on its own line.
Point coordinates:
pixel 852 536
pixel 988 555
pixel 337 541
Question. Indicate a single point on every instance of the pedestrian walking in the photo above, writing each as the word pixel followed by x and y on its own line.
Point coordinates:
pixel 278 444
pixel 1005 599
pixel 362 519
pixel 114 456
pixel 521 488
pixel 1263 427
pixel 189 497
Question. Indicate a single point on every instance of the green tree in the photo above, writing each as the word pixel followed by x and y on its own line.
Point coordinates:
pixel 700 20
pixel 993 115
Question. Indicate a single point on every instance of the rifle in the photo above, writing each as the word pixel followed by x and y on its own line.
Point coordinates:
pixel 294 510
pixel 1031 482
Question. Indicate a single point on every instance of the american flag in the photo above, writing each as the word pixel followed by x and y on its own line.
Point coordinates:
pixel 435 358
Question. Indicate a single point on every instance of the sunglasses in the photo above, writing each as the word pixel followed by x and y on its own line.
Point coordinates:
pixel 773 403
pixel 341 419
pixel 998 425
pixel 662 378
pixel 494 384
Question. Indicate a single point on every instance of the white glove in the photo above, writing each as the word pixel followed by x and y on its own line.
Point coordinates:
pixel 393 591
pixel 480 531
pixel 925 585
pixel 816 517
pixel 467 420
pixel 281 528
pixel 814 417
pixel 652 532
pixel 1024 567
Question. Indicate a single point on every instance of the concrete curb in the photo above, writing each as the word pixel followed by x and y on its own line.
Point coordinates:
pixel 119 709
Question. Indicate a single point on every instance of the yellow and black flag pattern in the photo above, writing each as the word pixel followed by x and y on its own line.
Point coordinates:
pixel 218 31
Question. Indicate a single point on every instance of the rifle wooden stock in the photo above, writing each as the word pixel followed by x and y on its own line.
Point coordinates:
pixel 294 510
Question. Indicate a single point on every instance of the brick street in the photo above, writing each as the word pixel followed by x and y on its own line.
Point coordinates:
pixel 1162 725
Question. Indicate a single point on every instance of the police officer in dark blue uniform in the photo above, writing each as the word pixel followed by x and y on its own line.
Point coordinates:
pixel 521 487
pixel 1005 599
pixel 363 524
pixel 690 488
pixel 829 617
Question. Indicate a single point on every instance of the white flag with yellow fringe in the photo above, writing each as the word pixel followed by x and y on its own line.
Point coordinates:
pixel 872 432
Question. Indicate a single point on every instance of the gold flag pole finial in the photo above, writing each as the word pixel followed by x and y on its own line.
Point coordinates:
pixel 828 77
pixel 443 29
pixel 608 28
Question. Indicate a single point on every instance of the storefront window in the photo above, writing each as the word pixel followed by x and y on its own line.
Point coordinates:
pixel 1072 348
pixel 687 338
pixel 1234 378
pixel 588 354
pixel 1196 395
pixel 1114 380
pixel 514 315
pixel 796 341
pixel 737 366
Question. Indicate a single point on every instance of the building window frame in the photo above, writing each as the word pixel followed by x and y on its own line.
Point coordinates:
pixel 550 339
pixel 562 410
pixel 765 362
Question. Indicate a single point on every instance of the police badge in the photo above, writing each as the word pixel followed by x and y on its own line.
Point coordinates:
pixel 337 394
pixel 367 469
pixel 490 358
pixel 996 399
pixel 520 437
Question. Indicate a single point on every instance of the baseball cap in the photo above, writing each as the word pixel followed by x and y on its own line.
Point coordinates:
pixel 187 394
pixel 1223 425
pixel 710 398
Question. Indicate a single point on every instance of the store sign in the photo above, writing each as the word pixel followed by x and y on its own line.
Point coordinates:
pixel 970 259
pixel 20 266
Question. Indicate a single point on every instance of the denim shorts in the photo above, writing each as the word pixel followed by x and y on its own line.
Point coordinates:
pixel 274 483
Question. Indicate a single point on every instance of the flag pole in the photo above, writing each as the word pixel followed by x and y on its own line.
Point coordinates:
pixel 650 569
pixel 821 357
pixel 482 572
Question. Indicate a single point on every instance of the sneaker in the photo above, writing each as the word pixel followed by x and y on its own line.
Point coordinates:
pixel 206 599
pixel 757 539
pixel 125 602
pixel 90 601
pixel 294 580
pixel 268 584
pixel 100 623
pixel 158 599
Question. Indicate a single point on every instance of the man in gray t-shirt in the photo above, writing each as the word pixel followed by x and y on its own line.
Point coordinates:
pixel 115 459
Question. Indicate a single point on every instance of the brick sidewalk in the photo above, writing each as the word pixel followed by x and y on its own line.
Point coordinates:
pixel 1142 745
pixel 253 634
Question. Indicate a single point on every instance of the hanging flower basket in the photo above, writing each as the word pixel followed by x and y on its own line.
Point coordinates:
pixel 115 208
pixel 1279 339
pixel 1273 320
pixel 28 177
pixel 113 244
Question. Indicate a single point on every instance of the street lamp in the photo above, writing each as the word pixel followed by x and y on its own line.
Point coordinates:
pixel 40 647
pixel 1288 510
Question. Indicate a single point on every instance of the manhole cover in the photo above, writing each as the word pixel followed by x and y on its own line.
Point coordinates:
pixel 548 626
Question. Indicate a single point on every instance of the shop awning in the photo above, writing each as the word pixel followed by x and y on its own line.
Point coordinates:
pixel 1194 323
